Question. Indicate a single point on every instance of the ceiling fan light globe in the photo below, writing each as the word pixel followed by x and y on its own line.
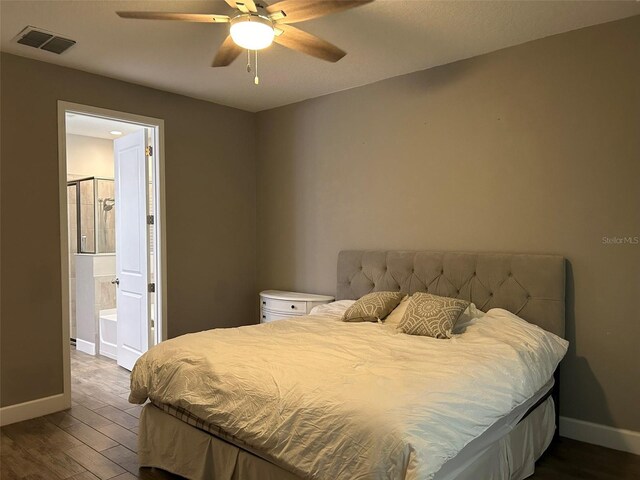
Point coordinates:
pixel 252 32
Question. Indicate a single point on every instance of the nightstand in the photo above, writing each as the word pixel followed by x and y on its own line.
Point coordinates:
pixel 276 304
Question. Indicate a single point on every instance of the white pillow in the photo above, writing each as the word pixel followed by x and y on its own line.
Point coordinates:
pixel 333 309
pixel 468 317
pixel 393 319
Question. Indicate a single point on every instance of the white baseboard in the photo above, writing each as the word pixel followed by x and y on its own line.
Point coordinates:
pixel 86 347
pixel 33 409
pixel 617 438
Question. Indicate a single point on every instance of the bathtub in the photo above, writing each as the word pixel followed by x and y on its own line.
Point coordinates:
pixel 109 333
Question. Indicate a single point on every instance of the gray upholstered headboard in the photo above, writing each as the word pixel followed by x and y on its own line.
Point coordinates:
pixel 531 286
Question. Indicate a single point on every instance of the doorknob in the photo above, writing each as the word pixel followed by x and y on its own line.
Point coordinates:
pixel 116 282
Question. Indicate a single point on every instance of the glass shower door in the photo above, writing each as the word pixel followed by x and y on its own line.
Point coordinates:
pixel 87 216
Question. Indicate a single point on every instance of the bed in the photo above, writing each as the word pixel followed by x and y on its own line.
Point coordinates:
pixel 314 397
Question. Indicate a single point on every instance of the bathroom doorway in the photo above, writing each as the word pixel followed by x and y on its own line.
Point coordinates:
pixel 112 215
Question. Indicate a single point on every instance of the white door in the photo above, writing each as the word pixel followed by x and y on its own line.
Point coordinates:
pixel 132 253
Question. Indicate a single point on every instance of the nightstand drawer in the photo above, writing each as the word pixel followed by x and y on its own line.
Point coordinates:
pixel 277 304
pixel 284 306
pixel 269 316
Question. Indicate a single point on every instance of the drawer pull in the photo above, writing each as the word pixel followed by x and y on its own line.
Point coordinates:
pixel 264 316
pixel 275 305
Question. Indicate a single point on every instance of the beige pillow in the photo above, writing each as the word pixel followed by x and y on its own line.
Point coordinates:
pixel 394 317
pixel 373 307
pixel 431 315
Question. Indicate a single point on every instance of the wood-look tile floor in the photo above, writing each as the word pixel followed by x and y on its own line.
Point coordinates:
pixel 568 459
pixel 97 438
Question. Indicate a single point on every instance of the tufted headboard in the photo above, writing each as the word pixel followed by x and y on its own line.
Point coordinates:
pixel 531 286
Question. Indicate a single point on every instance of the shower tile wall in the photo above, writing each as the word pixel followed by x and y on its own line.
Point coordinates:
pixel 107 217
pixel 105 292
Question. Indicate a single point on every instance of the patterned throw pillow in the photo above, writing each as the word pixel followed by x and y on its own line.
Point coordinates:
pixel 431 316
pixel 373 307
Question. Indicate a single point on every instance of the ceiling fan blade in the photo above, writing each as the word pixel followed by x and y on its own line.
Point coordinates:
pixel 227 53
pixel 184 17
pixel 243 5
pixel 304 42
pixel 301 10
pixel 250 5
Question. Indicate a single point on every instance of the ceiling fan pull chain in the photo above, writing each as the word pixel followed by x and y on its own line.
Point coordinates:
pixel 256 80
pixel 249 61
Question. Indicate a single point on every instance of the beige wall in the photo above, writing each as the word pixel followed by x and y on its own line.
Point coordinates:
pixel 211 221
pixel 535 148
pixel 89 156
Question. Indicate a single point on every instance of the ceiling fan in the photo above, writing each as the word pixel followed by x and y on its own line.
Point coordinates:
pixel 256 25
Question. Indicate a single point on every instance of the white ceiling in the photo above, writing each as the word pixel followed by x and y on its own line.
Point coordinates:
pixel 97 127
pixel 383 39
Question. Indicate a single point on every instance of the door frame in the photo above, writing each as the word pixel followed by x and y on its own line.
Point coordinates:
pixel 159 212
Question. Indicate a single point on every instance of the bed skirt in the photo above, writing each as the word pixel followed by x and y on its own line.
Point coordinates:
pixel 175 446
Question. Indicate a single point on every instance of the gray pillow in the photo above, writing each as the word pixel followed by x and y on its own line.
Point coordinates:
pixel 431 316
pixel 373 307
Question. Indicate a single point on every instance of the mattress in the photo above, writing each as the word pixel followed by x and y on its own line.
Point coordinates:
pixel 175 446
pixel 481 448
pixel 328 399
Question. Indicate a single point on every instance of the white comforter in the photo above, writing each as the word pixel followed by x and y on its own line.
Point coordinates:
pixel 333 400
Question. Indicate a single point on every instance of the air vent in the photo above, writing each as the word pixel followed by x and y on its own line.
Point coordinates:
pixel 34 38
pixel 44 40
pixel 58 45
